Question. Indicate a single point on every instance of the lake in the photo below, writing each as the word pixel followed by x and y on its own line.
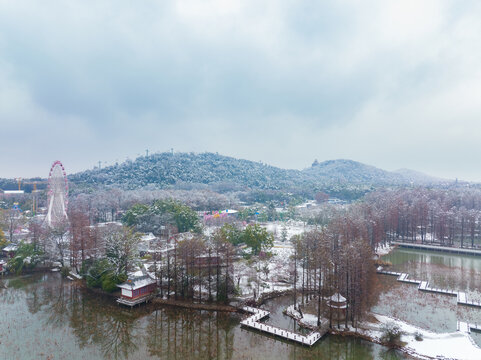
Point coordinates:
pixel 438 313
pixel 44 316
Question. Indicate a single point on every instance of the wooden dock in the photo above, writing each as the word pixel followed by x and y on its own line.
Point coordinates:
pixel 136 301
pixel 454 250
pixel 258 314
pixel 461 296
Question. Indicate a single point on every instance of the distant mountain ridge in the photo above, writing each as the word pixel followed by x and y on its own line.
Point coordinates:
pixel 353 172
pixel 417 177
pixel 227 173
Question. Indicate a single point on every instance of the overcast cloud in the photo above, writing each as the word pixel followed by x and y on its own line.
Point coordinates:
pixel 395 84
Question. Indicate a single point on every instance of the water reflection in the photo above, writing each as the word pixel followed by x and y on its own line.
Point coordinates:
pixel 46 316
pixel 171 334
pixel 119 332
pixel 438 313
pixel 460 272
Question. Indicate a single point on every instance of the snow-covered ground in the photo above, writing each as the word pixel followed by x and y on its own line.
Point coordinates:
pixel 383 249
pixel 272 274
pixel 292 227
pixel 455 345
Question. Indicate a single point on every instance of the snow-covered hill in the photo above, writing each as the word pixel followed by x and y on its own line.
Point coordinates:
pixel 225 173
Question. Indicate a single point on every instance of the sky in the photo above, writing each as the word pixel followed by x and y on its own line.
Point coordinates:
pixel 394 84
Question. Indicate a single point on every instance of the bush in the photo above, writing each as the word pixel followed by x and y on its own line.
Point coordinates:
pixel 93 282
pixel 86 265
pixel 391 334
pixel 418 336
pixel 96 273
pixel 65 271
pixel 101 275
pixel 109 282
pixel 122 278
pixel 26 258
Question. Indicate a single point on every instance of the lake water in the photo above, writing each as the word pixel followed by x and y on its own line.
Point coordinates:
pixel 43 316
pixel 438 313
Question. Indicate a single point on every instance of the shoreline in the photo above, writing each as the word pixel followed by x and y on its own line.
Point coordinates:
pixel 431 345
pixel 367 331
pixel 185 304
pixel 438 248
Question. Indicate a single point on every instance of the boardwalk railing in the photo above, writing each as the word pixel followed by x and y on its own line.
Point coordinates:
pixel 455 250
pixel 467 327
pixel 258 314
pixel 134 302
pixel 461 296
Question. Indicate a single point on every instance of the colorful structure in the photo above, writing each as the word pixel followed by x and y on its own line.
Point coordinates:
pixel 219 214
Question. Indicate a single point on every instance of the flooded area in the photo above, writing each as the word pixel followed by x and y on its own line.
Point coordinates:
pixel 46 317
pixel 435 312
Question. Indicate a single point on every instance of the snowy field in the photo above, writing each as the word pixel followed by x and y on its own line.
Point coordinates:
pixel 271 274
pixel 454 345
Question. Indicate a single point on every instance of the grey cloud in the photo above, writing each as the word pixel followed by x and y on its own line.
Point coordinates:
pixel 281 82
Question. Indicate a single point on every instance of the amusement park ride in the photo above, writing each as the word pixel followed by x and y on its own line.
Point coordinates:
pixel 57 195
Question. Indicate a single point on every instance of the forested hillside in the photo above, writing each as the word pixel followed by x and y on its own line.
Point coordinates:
pixel 341 178
pixel 164 169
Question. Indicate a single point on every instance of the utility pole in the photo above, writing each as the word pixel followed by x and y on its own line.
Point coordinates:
pixel 19 182
pixel 34 199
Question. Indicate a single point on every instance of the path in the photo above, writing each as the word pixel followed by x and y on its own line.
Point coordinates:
pixel 462 299
pixel 258 314
pixel 455 250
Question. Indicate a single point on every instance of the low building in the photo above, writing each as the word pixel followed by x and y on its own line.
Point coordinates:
pixel 146 243
pixel 137 289
pixel 10 250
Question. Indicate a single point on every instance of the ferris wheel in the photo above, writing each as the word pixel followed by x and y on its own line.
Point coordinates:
pixel 57 194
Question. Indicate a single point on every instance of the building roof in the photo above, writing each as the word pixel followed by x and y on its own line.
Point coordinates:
pixel 10 247
pixel 337 301
pixel 148 237
pixel 337 298
pixel 137 282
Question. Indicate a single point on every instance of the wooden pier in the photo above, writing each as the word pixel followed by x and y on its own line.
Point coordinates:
pixel 461 296
pixel 454 250
pixel 136 301
pixel 258 314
